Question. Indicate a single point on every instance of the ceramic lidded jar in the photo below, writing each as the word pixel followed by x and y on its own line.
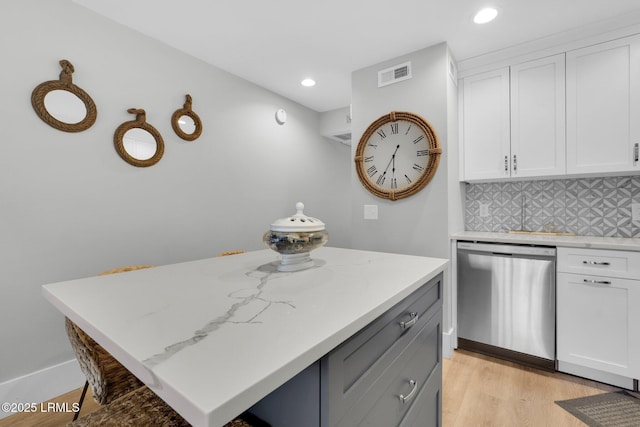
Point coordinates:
pixel 294 238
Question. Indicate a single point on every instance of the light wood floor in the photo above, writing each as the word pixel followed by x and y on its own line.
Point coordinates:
pixel 477 391
pixel 52 419
pixel 482 391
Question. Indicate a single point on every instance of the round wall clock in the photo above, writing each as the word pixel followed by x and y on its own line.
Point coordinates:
pixel 397 155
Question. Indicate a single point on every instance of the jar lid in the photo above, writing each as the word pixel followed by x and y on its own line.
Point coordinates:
pixel 298 222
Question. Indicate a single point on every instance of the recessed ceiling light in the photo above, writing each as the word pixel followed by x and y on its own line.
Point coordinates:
pixel 485 15
pixel 308 82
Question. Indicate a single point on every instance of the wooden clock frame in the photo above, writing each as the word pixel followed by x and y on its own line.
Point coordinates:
pixel 434 156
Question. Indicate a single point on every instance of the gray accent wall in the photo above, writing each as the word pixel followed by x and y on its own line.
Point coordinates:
pixel 416 225
pixel 584 206
pixel 71 208
pixel 420 224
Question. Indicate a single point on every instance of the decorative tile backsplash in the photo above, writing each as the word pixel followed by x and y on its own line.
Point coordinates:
pixel 584 206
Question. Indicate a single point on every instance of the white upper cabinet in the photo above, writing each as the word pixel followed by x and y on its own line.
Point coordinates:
pixel 538 118
pixel 514 121
pixel 603 107
pixel 486 145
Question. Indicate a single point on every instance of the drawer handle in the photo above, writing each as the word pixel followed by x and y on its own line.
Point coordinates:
pixel 409 396
pixel 597 282
pixel 596 262
pixel 410 323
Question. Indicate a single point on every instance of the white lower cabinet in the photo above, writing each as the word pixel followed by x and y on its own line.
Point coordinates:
pixel 598 315
pixel 388 374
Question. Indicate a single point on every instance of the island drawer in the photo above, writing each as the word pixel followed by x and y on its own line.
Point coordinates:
pixel 599 262
pixel 407 382
pixel 357 364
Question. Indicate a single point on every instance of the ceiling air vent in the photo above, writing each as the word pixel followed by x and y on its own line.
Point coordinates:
pixel 345 138
pixel 395 74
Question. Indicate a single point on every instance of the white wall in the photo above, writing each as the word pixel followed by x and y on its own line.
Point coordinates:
pixel 456 210
pixel 420 224
pixel 416 225
pixel 70 207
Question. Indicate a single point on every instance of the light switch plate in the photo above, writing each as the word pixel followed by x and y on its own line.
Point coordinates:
pixel 635 211
pixel 370 211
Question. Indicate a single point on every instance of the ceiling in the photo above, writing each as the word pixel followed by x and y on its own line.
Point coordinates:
pixel 277 43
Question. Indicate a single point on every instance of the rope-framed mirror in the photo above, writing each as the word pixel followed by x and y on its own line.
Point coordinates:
pixel 186 124
pixel 137 142
pixel 63 105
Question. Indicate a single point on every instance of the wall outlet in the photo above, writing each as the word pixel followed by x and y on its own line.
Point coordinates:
pixel 370 211
pixel 635 211
pixel 484 209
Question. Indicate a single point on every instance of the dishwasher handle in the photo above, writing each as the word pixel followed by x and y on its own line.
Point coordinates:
pixel 507 249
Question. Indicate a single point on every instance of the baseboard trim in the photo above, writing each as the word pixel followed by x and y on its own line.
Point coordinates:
pixel 42 385
pixel 596 375
pixel 505 354
pixel 448 343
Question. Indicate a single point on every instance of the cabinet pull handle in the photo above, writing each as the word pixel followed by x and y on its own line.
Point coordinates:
pixel 596 262
pixel 506 165
pixel 636 153
pixel 515 163
pixel 410 323
pixel 597 282
pixel 409 396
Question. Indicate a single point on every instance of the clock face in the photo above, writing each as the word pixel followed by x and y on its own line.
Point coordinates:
pixel 397 155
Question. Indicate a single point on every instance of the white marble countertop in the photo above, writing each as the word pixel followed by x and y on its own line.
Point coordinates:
pixel 614 243
pixel 212 337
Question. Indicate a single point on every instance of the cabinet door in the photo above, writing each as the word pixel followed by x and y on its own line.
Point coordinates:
pixel 598 323
pixel 603 110
pixel 538 117
pixel 486 148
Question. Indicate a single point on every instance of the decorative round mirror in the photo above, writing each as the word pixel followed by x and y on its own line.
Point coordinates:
pixel 63 105
pixel 137 142
pixel 186 123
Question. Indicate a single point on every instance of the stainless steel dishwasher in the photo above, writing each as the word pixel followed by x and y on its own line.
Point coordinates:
pixel 506 301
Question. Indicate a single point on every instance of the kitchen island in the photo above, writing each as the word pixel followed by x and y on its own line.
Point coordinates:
pixel 212 337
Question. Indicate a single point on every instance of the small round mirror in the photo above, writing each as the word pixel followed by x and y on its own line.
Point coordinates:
pixel 65 106
pixel 186 124
pixel 137 142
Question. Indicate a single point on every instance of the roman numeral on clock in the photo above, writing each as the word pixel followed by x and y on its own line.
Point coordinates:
pixel 422 153
pixel 418 139
pixel 368 159
pixel 382 134
pixel 418 167
pixel 372 171
pixel 380 180
pixel 394 128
